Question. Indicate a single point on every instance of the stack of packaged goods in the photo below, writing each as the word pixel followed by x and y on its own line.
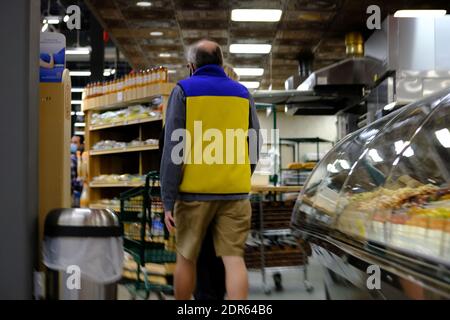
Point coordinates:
pixel 113 145
pixel 133 86
pixel 131 113
pixel 157 272
pixel 118 178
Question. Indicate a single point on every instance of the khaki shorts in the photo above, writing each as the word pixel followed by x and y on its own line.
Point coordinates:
pixel 229 220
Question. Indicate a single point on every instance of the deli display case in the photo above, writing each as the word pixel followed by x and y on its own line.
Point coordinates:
pixel 376 209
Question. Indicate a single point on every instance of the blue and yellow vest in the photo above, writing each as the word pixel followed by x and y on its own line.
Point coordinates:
pixel 214 101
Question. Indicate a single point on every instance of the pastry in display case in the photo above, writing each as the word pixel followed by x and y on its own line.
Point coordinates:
pixel 383 193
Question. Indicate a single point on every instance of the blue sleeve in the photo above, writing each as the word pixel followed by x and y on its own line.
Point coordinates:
pixel 171 172
pixel 255 137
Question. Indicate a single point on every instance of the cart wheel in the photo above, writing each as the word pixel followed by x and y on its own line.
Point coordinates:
pixel 309 286
pixel 277 279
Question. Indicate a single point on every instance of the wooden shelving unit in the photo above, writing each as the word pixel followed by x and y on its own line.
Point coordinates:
pixel 122 150
pixel 122 123
pixel 137 160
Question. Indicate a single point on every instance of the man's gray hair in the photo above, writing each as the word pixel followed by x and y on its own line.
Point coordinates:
pixel 204 52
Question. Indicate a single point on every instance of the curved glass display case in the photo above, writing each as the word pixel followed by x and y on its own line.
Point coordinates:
pixel 384 191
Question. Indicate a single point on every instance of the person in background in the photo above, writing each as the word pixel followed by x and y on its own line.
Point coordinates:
pixel 76 183
pixel 209 195
pixel 210 268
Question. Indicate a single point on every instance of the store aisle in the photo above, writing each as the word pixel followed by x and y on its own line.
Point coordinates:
pixel 292 281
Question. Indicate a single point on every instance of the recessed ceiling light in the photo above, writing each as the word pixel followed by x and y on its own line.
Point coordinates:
pixel 143 4
pixel 80 73
pixel 250 48
pixel 164 55
pixel 419 13
pixel 256 15
pixel 156 33
pixel 52 20
pixel 78 51
pixel 249 71
pixel 250 84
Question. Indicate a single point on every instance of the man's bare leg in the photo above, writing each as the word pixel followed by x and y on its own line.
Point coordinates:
pixel 184 278
pixel 236 278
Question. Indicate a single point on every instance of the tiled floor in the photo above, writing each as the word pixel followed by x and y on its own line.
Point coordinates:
pixel 292 281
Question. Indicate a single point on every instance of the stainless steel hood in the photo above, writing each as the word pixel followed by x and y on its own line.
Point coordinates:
pixel 356 71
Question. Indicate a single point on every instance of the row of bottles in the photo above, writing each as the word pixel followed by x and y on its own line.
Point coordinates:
pixel 132 86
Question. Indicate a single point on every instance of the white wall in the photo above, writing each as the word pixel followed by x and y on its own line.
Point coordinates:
pixel 301 127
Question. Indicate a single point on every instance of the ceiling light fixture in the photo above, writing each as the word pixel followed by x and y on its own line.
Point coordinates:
pixel 390 106
pixel 79 124
pixel 443 136
pixel 76 90
pixel 419 13
pixel 143 4
pixel 156 33
pixel 250 84
pixel 172 71
pixel 52 20
pixel 249 71
pixel 256 15
pixel 66 18
pixel 80 73
pixel 78 51
pixel 44 27
pixel 250 48
pixel 164 55
pixel 76 102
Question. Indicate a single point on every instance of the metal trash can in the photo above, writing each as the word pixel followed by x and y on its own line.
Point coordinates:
pixel 83 253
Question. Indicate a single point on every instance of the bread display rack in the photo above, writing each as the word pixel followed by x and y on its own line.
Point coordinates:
pixel 126 125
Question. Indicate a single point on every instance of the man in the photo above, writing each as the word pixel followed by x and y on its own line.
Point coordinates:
pixel 76 184
pixel 203 193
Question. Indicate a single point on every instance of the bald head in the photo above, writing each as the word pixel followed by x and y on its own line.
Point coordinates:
pixel 205 52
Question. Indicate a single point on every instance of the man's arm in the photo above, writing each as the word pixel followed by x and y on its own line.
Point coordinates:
pixel 255 137
pixel 169 171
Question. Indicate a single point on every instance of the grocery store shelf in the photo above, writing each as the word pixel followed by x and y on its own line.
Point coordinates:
pixel 123 150
pixel 277 232
pixel 123 123
pixel 157 90
pixel 116 185
pixel 104 206
pixel 256 189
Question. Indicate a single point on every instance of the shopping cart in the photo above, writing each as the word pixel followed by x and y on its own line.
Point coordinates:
pixel 146 239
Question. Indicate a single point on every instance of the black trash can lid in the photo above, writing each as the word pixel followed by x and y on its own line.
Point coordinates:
pixel 81 222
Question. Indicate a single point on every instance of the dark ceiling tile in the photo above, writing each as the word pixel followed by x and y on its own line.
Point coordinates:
pixel 316 5
pixel 151 14
pixel 309 16
pixel 189 15
pixel 205 25
pixel 201 4
pixel 199 34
